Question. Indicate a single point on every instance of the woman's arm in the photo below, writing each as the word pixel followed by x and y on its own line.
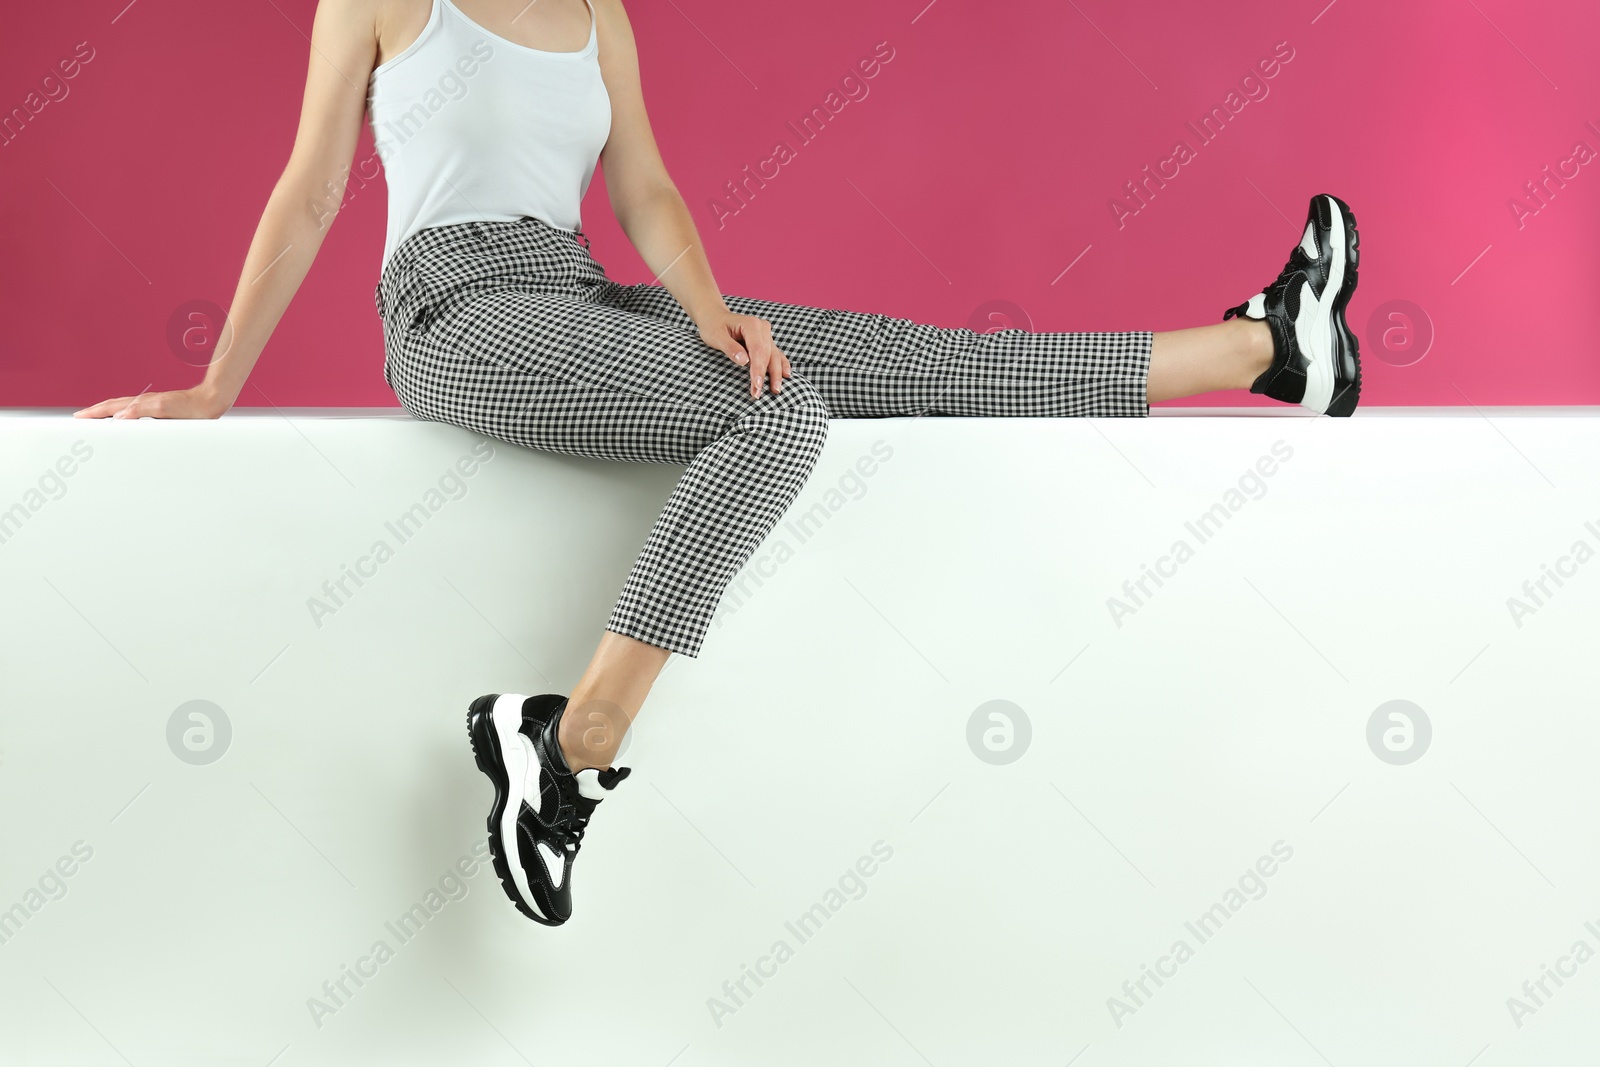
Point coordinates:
pixel 344 44
pixel 657 221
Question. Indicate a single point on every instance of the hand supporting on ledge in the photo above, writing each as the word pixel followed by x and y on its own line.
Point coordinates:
pixel 200 402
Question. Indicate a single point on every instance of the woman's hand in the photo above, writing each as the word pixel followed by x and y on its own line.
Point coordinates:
pixel 196 403
pixel 747 341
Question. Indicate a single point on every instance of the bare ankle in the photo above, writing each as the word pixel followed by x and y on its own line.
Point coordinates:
pixel 1258 349
pixel 590 733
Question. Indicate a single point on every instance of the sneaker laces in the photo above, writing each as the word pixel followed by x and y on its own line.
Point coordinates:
pixel 583 807
pixel 571 829
pixel 1280 288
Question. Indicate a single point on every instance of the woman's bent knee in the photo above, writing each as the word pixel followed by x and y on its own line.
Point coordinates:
pixel 805 414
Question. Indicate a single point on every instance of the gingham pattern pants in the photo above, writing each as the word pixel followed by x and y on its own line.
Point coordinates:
pixel 513 330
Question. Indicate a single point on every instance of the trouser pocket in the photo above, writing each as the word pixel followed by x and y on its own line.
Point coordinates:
pixel 412 299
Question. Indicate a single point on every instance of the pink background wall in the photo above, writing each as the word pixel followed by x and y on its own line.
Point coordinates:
pixel 979 167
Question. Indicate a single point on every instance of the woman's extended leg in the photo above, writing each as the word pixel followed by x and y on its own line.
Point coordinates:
pixel 868 365
pixel 1203 359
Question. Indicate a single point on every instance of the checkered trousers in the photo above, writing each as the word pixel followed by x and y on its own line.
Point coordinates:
pixel 512 329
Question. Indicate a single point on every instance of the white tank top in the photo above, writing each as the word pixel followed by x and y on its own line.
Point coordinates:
pixel 471 126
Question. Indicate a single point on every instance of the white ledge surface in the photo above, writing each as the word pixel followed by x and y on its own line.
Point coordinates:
pixel 930 566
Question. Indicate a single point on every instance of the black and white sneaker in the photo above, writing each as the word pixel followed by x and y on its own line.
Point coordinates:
pixel 1315 360
pixel 540 807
